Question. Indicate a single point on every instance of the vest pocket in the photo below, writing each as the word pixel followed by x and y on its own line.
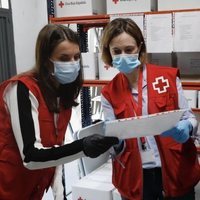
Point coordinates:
pixel 128 180
pixel 184 160
pixel 118 170
pixel 165 102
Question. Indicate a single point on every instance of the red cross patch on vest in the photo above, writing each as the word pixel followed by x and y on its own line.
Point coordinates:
pixel 160 84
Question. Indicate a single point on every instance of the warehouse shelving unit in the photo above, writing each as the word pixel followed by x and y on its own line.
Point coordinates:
pixel 86 22
pixel 91 21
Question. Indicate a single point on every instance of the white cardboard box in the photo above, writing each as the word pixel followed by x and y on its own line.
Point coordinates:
pixel 90 190
pixel 116 195
pixel 66 8
pixel 161 58
pixel 188 63
pixel 121 6
pixel 89 61
pixel 105 72
pixel 191 96
pixel 96 185
pixel 178 4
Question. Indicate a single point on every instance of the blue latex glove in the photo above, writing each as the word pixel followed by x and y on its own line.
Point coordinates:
pixel 181 132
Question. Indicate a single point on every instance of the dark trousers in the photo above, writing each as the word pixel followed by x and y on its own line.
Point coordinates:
pixel 152 188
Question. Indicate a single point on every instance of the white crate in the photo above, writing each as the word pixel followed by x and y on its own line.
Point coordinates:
pixel 161 59
pixel 67 8
pixel 178 4
pixel 121 6
pixel 188 63
pixel 116 195
pixel 105 72
pixel 191 96
pixel 95 186
pixel 89 61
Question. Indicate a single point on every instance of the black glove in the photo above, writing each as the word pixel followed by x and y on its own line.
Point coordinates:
pixel 119 147
pixel 95 145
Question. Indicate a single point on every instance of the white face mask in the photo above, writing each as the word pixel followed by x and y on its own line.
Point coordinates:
pixel 66 72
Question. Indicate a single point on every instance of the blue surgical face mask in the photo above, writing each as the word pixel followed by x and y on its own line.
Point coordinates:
pixel 126 63
pixel 66 72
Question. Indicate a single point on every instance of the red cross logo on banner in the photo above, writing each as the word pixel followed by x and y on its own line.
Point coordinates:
pixel 115 1
pixel 61 4
pixel 160 84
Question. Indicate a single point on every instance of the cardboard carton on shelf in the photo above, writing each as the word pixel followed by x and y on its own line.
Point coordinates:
pixel 105 72
pixel 178 4
pixel 68 8
pixel 188 63
pixel 96 185
pixel 191 96
pixel 119 6
pixel 89 61
pixel 162 59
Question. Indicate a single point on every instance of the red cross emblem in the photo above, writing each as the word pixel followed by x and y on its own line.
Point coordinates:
pixel 160 84
pixel 61 4
pixel 115 1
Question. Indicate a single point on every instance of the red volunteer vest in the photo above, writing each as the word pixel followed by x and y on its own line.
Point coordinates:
pixel 177 159
pixel 16 181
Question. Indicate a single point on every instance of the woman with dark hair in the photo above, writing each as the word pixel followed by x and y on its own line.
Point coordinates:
pixel 147 168
pixel 35 109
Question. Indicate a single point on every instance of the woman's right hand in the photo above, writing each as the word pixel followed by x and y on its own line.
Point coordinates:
pixel 95 145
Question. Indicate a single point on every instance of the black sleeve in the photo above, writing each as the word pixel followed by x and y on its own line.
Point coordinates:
pixel 26 122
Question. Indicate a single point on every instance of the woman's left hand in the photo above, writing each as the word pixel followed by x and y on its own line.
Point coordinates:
pixel 181 132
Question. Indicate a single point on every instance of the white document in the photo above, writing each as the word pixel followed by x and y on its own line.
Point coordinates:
pixel 153 124
pixel 159 37
pixel 187 34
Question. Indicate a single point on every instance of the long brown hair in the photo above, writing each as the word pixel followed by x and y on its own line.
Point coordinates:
pixel 49 37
